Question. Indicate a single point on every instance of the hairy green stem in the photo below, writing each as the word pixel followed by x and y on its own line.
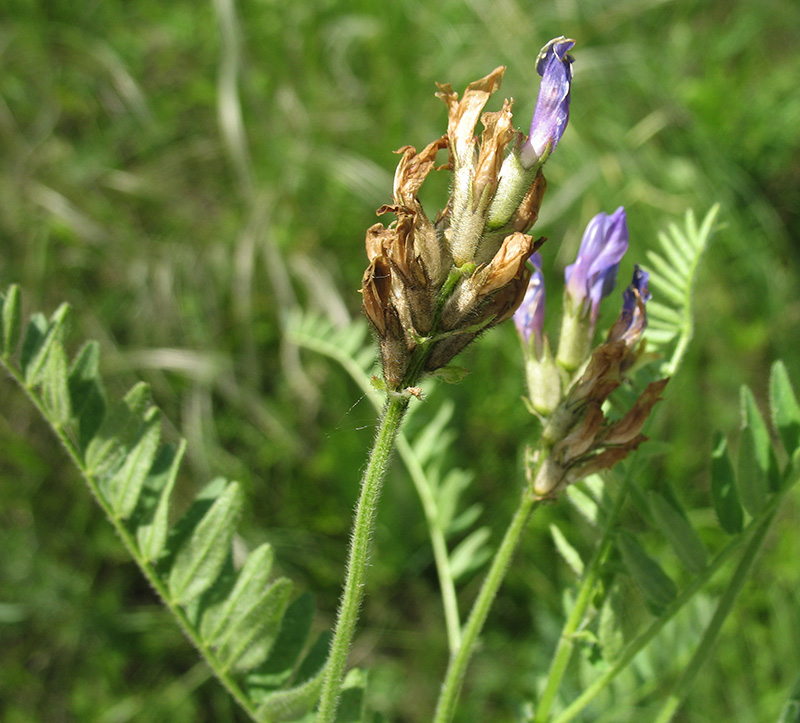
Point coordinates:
pixel 480 610
pixel 358 559
pixel 421 482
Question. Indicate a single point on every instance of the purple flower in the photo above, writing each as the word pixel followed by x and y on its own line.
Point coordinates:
pixel 594 273
pixel 633 317
pixel 552 106
pixel 529 317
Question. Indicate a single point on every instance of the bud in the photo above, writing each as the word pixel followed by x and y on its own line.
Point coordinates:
pixel 552 106
pixel 588 281
pixel 529 317
pixel 523 163
pixel 633 317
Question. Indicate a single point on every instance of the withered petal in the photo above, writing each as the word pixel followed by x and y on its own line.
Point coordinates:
pixel 412 170
pixel 508 263
pixel 630 426
pixel 528 211
pixel 498 133
pixel 463 114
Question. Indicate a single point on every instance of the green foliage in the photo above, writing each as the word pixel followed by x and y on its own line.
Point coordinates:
pixel 673 270
pixel 239 621
pixel 123 193
pixel 666 596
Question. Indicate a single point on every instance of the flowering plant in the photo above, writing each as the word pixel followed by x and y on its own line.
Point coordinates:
pixel 434 283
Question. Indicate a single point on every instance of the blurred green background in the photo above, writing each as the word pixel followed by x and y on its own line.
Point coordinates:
pixel 186 173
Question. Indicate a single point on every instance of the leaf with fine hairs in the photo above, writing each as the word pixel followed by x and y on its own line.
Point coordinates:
pixel 200 559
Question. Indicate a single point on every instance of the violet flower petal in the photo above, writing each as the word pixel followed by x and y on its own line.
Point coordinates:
pixel 552 105
pixel 594 274
pixel 529 317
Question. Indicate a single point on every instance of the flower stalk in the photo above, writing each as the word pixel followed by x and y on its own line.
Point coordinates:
pixel 358 557
pixel 454 678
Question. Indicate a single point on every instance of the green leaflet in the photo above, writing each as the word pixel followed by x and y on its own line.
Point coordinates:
pixel 784 407
pixel 55 386
pixel 291 704
pixel 566 550
pixel 352 707
pixel 448 495
pixel 124 487
pixel 119 431
pixel 656 587
pixel 249 636
pixel 680 533
pixel 288 646
pixel 435 435
pixel 752 477
pixel 790 713
pixel 10 322
pixel 39 340
pixel 200 559
pixel 86 392
pixel 470 554
pixel 765 457
pixel 35 333
pixel 153 522
pixel 609 629
pixel 243 627
pixel 724 493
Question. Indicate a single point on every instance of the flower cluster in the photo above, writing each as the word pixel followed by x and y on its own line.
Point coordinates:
pixel 568 392
pixel 433 284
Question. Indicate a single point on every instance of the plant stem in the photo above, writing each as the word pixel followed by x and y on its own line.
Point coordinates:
pixel 720 614
pixel 566 642
pixel 419 477
pixel 643 639
pixel 441 556
pixel 480 610
pixel 358 558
